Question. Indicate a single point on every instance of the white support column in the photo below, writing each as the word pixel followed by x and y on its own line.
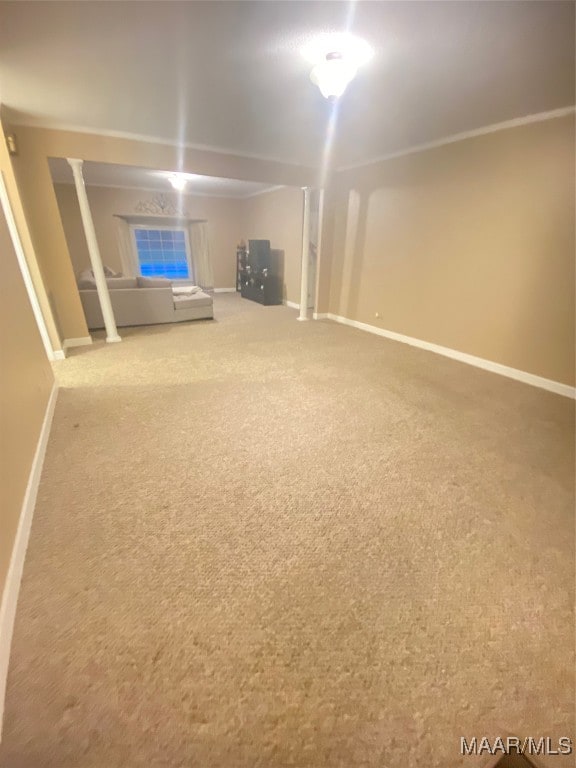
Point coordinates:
pixel 305 256
pixel 94 251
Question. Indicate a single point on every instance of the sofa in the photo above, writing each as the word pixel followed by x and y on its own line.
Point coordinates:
pixel 143 301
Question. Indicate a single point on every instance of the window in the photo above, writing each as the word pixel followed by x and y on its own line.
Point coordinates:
pixel 163 252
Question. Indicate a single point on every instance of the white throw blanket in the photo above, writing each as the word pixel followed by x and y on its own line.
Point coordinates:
pixel 185 290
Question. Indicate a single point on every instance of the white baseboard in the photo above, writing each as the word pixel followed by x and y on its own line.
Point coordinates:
pixel 14 575
pixel 296 305
pixel 320 316
pixel 224 290
pixel 488 365
pixel 83 341
pixel 59 354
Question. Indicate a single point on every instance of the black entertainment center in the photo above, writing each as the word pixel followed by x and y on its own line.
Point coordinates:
pixel 259 272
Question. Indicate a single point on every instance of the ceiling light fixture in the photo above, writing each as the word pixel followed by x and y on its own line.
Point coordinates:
pixel 333 75
pixel 178 181
pixel 336 59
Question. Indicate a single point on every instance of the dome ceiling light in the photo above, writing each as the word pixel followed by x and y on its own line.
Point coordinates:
pixel 178 181
pixel 336 60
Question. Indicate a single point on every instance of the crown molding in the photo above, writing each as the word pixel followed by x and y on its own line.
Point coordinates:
pixel 456 137
pixel 265 191
pixel 49 125
pixel 494 128
pixel 168 191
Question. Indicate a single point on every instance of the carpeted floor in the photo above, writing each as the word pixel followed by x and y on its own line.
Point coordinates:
pixel 267 543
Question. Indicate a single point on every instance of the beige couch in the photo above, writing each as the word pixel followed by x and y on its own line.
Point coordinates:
pixel 139 301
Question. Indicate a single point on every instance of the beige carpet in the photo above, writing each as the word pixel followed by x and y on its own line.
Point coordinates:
pixel 267 543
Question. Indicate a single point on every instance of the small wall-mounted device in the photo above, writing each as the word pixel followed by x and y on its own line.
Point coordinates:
pixel 11 144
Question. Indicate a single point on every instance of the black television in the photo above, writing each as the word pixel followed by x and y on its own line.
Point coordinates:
pixel 259 254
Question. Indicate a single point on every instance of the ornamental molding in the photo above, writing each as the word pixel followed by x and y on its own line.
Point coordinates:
pixel 160 205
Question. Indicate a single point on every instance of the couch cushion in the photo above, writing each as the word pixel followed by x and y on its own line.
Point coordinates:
pixel 195 300
pixel 121 282
pixel 185 290
pixel 88 273
pixel 153 282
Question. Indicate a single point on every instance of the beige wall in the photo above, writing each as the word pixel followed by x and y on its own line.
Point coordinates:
pixel 277 216
pixel 35 186
pixel 25 386
pixel 470 246
pixel 37 192
pixel 222 215
pixel 25 237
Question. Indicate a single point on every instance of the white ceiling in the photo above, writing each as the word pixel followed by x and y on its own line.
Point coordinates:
pixel 131 177
pixel 229 75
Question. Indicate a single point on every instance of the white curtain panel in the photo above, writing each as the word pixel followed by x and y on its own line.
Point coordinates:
pixel 125 247
pixel 200 248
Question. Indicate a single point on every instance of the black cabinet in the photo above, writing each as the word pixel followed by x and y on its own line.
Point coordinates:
pixel 265 289
pixel 259 273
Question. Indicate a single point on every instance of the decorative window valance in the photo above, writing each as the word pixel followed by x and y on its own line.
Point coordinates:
pixel 171 221
pixel 160 205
